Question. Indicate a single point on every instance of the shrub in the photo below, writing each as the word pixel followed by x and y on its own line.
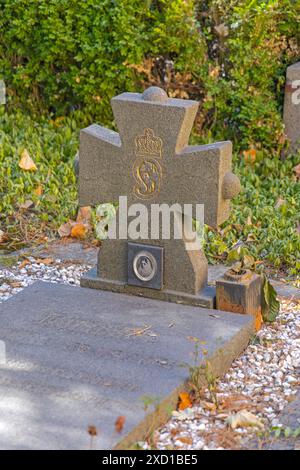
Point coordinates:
pixel 60 55
pixel 51 188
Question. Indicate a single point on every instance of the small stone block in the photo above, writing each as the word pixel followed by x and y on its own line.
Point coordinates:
pixel 239 293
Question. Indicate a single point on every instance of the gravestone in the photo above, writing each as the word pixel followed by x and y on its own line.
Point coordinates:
pixel 151 162
pixel 291 113
pixel 74 357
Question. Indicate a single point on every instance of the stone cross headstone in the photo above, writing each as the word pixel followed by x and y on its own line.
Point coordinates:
pixel 151 162
pixel 291 113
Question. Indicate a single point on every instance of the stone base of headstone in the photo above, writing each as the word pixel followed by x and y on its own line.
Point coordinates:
pixel 77 357
pixel 206 298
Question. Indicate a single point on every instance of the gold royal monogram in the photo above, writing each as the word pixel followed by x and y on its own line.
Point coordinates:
pixel 147 169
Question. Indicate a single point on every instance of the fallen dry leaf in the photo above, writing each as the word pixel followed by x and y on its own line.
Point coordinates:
pixel 26 162
pixel 280 202
pixel 138 331
pixel 24 263
pixel 14 284
pixel 46 261
pixel 92 430
pixel 249 155
pixel 243 419
pixel 39 190
pixel 297 170
pixel 185 440
pixel 79 230
pixel 119 424
pixel 214 72
pixel 84 215
pixel 234 402
pixel 222 30
pixel 3 236
pixel 282 139
pixel 184 401
pixel 251 238
pixel 26 205
pixel 258 321
pixel 175 431
pixel 65 229
pixel 208 405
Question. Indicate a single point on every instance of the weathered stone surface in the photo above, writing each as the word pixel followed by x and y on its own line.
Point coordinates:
pixel 71 251
pixel 206 297
pixel 292 105
pixel 150 162
pixel 239 293
pixel 190 174
pixel 77 358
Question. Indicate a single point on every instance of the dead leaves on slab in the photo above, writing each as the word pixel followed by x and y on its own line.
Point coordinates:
pixel 140 331
pixel 119 424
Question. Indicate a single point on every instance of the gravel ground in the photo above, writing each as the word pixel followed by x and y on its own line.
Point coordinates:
pixel 14 279
pixel 261 381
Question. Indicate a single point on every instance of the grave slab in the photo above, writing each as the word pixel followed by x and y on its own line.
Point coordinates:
pixel 77 357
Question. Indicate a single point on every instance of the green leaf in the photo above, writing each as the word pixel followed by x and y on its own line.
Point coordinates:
pixel 270 303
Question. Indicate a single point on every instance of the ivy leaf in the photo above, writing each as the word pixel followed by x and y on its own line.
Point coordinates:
pixel 233 255
pixel 271 305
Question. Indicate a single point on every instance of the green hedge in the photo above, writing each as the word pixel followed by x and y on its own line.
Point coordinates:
pixel 231 55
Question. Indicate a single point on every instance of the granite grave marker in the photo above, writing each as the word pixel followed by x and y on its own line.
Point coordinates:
pixel 150 161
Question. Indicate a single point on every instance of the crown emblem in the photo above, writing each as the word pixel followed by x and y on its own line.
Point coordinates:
pixel 148 145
